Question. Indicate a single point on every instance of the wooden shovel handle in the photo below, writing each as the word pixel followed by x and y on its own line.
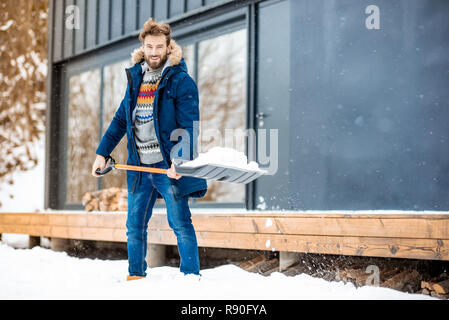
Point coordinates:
pixel 137 168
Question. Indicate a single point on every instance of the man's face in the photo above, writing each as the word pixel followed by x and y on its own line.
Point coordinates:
pixel 155 50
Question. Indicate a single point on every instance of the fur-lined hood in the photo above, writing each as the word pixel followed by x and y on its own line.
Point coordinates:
pixel 174 57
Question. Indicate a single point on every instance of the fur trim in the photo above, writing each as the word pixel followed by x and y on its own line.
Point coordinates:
pixel 175 55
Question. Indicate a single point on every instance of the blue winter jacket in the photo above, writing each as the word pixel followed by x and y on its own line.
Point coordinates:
pixel 176 105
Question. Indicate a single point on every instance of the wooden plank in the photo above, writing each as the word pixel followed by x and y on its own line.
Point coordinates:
pixel 99 220
pixel 21 219
pixel 370 227
pixel 81 233
pixel 23 229
pixel 99 234
pixel 67 220
pixel 327 214
pixel 262 214
pixel 106 220
pixel 419 228
pixel 416 238
pixel 354 246
pixel 38 219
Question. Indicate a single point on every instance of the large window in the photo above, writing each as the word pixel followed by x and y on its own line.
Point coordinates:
pixel 220 71
pixel 114 86
pixel 94 96
pixel 218 65
pixel 83 128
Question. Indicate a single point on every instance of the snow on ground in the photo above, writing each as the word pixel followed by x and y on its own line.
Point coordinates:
pixel 26 194
pixel 41 273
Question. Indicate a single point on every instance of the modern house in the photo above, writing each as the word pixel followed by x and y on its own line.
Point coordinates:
pixel 348 100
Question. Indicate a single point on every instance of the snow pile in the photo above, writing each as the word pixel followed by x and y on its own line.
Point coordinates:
pixel 262 204
pixel 40 273
pixel 224 156
pixel 24 190
pixel 6 26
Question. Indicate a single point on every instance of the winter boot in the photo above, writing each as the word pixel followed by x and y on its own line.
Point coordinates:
pixel 129 278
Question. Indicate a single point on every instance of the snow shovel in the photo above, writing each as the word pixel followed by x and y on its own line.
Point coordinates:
pixel 207 171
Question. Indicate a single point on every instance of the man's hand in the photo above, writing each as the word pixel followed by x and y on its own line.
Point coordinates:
pixel 100 162
pixel 171 173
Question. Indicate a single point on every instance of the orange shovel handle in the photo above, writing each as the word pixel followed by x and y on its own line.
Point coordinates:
pixel 138 168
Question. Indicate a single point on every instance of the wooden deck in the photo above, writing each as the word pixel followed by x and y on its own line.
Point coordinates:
pixel 414 236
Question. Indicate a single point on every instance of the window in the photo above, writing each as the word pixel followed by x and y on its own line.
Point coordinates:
pixel 217 64
pixel 221 79
pixel 94 96
pixel 114 87
pixel 83 129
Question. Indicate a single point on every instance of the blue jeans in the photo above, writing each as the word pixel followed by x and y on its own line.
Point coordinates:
pixel 140 207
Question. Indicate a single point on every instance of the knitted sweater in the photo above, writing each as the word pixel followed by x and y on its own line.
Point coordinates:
pixel 145 135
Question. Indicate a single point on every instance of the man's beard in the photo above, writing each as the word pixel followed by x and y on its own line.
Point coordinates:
pixel 157 64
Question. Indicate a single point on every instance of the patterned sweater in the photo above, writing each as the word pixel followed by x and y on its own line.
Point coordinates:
pixel 145 135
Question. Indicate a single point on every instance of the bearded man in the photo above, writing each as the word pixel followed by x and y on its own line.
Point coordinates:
pixel 160 97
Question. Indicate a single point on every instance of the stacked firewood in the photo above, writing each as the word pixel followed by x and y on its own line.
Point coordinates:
pixel 112 199
pixel 261 264
pixel 436 288
pixel 406 276
pixel 406 280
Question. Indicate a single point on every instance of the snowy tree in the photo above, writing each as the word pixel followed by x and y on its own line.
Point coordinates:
pixel 23 71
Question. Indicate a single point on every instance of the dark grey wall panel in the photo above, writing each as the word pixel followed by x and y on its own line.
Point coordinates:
pixel 194 4
pixel 91 23
pixel 144 11
pixel 370 107
pixel 131 18
pixel 68 47
pixel 160 9
pixel 58 29
pixel 273 69
pixel 80 33
pixel 176 8
pixel 208 2
pixel 117 26
pixel 103 21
